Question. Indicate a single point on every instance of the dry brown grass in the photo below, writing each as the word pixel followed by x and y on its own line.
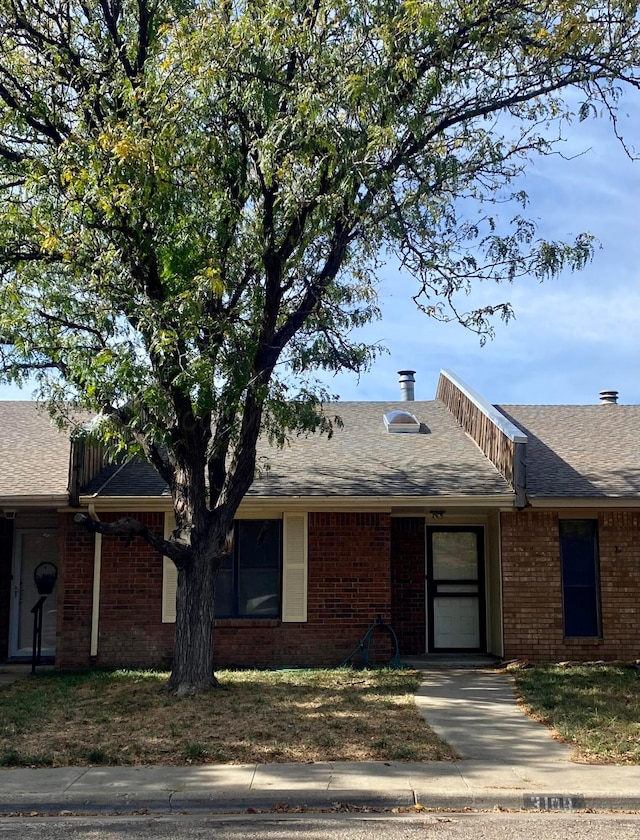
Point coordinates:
pixel 595 708
pixel 127 717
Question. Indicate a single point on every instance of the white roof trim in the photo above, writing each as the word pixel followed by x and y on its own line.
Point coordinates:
pixel 490 411
pixel 143 504
pixel 34 501
pixel 618 502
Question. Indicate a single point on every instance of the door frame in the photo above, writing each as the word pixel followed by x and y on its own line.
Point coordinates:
pixel 16 582
pixel 431 594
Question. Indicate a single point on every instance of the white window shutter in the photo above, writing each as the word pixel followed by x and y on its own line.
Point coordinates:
pixel 294 567
pixel 169 576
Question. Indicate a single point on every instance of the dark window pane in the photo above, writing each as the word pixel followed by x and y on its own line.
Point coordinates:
pixel 257 554
pixel 258 592
pixel 258 543
pixel 580 611
pixel 578 552
pixel 580 577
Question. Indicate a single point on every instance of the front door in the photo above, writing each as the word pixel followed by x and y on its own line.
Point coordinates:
pixel 32 547
pixel 455 589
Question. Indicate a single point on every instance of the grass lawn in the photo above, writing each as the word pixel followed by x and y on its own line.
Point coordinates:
pixel 596 708
pixel 126 717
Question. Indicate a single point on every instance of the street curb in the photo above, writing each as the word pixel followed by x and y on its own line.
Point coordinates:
pixel 174 802
pixel 567 802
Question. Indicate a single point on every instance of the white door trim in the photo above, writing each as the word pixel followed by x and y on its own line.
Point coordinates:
pixel 16 586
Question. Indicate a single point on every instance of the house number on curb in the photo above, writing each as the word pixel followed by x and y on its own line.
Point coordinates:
pixel 547 802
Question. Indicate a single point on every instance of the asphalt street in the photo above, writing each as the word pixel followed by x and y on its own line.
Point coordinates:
pixel 441 826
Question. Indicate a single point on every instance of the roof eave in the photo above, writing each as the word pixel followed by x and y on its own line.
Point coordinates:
pixel 127 503
pixel 584 501
pixel 35 500
pixel 360 503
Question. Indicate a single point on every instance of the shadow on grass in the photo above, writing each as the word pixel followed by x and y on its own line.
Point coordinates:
pixel 127 717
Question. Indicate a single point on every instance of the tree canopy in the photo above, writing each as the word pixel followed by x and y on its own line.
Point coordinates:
pixel 196 196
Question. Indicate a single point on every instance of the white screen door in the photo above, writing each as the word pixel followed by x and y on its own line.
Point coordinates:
pixel 455 589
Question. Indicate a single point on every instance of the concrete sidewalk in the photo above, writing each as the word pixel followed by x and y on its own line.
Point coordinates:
pixel 470 784
pixel 507 761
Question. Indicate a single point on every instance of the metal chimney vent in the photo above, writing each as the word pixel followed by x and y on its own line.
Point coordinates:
pixel 608 397
pixel 407 382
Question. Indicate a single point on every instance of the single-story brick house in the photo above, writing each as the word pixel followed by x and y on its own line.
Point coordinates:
pixel 509 530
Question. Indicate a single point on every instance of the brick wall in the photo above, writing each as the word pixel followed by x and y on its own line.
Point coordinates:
pixel 130 626
pixel 131 631
pixel 408 584
pixel 532 588
pixel 75 582
pixel 619 537
pixel 361 566
pixel 348 588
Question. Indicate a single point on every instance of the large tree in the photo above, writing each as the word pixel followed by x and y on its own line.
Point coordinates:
pixel 195 196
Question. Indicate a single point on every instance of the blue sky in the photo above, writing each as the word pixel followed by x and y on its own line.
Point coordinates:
pixel 573 336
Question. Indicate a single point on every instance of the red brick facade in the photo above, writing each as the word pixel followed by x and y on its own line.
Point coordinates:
pixel 349 587
pixel 408 583
pixel 75 595
pixel 532 588
pixel 130 627
pixel 362 566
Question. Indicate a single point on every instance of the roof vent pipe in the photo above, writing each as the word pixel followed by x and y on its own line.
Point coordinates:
pixel 407 381
pixel 608 397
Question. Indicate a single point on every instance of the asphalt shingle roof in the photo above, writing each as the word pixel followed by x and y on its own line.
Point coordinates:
pixel 361 459
pixel 34 455
pixel 580 450
pixel 572 451
pixel 132 478
pixel 364 459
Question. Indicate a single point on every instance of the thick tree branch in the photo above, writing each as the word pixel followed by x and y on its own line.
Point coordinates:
pixel 129 527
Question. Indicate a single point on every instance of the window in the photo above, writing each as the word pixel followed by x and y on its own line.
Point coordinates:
pixel 246 579
pixel 580 577
pixel 248 583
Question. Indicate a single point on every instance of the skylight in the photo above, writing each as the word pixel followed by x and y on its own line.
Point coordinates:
pixel 401 422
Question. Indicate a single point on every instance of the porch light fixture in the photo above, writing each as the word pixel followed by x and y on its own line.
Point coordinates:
pixel 437 514
pixel 9 513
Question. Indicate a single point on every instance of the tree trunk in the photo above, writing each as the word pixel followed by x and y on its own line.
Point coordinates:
pixel 192 670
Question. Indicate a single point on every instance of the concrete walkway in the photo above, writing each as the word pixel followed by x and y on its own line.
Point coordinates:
pixel 509 762
pixel 476 713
